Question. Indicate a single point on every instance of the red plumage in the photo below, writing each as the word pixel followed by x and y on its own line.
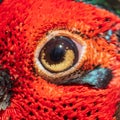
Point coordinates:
pixel 22 25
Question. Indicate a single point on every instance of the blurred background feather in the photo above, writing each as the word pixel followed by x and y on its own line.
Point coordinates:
pixel 111 5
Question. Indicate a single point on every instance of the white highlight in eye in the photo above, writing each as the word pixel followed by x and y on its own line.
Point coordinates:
pixel 81 46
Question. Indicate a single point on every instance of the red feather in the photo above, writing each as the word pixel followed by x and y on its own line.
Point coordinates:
pixel 23 24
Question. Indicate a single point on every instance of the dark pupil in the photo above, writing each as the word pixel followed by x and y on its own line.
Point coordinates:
pixel 57 53
pixel 55 50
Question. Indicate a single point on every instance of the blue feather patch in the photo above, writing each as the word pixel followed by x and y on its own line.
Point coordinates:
pixel 98 77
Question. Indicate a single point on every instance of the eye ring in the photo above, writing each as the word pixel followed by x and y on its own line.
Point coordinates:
pixel 54 76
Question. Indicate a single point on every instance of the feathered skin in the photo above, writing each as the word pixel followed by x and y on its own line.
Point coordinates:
pixel 23 24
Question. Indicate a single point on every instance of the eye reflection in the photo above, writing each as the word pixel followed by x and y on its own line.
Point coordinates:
pixel 57 53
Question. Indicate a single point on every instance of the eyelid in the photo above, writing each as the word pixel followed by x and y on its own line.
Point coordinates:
pixel 77 39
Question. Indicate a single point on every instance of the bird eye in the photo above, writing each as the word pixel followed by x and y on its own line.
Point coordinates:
pixel 58 54
pixel 64 57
